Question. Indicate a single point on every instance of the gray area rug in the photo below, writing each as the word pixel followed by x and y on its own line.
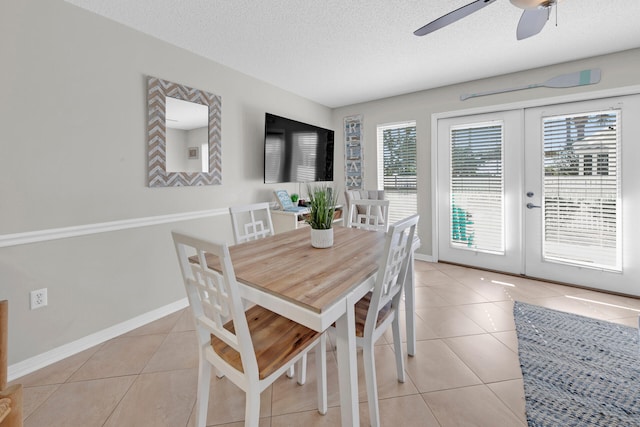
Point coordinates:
pixel 577 371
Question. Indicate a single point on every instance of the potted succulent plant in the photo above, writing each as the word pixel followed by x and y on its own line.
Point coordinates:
pixel 322 205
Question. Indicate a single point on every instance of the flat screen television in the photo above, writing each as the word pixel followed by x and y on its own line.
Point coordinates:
pixel 296 151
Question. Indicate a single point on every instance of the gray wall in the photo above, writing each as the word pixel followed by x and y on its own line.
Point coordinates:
pixel 618 70
pixel 73 134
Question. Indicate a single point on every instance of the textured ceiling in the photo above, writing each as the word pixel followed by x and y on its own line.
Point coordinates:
pixel 341 52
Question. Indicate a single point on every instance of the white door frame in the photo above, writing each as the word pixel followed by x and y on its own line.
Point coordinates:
pixel 583 96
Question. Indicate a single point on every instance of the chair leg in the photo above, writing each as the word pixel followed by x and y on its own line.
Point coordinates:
pixel 370 380
pixel 291 371
pixel 321 373
pixel 219 373
pixel 202 399
pixel 252 408
pixel 397 346
pixel 410 305
pixel 302 369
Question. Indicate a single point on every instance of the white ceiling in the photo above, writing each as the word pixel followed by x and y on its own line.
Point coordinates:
pixel 341 52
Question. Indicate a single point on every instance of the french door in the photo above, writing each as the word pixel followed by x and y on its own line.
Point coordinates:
pixel 550 192
pixel 582 172
pixel 479 190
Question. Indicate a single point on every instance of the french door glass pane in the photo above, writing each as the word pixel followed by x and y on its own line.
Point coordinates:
pixel 477 187
pixel 581 190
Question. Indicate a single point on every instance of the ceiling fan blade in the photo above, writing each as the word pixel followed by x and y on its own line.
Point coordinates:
pixel 452 17
pixel 532 21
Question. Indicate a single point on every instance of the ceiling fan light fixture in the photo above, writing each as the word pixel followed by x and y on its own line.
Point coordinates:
pixel 529 4
pixel 534 17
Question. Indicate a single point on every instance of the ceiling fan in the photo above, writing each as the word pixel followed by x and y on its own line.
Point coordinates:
pixel 536 14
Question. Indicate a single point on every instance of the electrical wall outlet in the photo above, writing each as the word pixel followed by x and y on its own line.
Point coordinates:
pixel 38 298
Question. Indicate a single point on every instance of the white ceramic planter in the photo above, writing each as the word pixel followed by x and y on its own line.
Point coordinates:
pixel 322 238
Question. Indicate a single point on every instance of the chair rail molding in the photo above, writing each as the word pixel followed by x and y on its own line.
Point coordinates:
pixel 16 239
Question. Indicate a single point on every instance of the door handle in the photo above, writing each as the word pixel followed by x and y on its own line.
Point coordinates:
pixel 531 206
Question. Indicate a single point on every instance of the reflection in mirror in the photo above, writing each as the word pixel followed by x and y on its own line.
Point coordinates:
pixel 187 136
pixel 186 162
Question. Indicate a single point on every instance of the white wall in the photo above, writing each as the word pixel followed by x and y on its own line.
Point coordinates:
pixel 618 70
pixel 73 136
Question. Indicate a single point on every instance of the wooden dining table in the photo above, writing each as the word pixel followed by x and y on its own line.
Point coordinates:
pixel 314 287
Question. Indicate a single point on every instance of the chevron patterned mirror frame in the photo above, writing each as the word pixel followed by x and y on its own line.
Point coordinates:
pixel 158 91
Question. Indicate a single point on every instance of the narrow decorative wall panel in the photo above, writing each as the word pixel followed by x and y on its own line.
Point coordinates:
pixel 353 157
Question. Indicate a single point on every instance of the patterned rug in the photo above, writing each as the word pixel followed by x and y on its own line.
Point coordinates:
pixel 577 371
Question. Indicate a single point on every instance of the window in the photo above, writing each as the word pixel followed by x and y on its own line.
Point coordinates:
pixel 588 164
pixel 477 187
pixel 581 211
pixel 397 168
pixel 603 164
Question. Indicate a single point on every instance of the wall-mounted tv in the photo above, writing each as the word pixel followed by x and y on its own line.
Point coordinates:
pixel 296 151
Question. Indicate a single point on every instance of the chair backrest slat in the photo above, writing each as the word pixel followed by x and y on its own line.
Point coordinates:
pixel 369 214
pixel 214 297
pixel 393 268
pixel 353 194
pixel 251 222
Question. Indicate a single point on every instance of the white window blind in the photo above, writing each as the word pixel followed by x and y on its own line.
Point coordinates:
pixel 305 145
pixel 477 187
pixel 582 189
pixel 273 150
pixel 397 167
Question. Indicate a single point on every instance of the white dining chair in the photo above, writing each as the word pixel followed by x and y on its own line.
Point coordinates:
pixel 253 348
pixel 379 309
pixel 356 194
pixel 369 214
pixel 251 222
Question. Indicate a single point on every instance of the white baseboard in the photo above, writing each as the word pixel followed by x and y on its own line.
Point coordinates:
pixel 421 257
pixel 40 361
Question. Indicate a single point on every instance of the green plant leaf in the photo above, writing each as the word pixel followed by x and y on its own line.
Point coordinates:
pixel 322 205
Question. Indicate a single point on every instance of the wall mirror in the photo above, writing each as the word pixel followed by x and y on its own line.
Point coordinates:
pixel 184 135
pixel 187 135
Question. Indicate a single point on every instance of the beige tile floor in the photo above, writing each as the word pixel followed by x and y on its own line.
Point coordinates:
pixel 465 372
